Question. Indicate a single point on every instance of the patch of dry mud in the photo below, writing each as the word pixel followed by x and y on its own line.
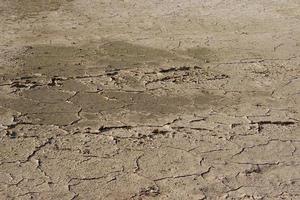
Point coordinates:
pixel 128 104
pixel 65 61
pixel 23 9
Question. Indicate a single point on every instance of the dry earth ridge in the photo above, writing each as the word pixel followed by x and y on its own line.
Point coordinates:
pixel 149 99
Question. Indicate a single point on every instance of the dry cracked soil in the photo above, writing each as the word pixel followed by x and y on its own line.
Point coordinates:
pixel 146 100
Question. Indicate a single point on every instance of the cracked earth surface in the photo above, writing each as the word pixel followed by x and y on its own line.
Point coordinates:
pixel 149 99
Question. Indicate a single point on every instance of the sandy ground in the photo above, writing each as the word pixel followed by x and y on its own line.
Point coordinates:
pixel 183 100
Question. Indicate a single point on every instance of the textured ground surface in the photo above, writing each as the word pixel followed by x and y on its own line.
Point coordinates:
pixel 149 99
